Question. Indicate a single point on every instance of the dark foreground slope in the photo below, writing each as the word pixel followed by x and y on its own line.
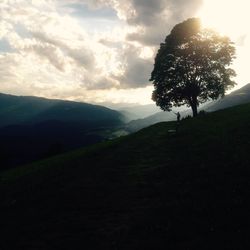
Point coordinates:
pixel 150 190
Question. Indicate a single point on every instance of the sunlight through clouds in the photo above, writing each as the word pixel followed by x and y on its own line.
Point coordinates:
pixel 101 50
pixel 231 18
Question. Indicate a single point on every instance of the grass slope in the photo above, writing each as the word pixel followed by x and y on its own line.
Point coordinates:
pixel 149 190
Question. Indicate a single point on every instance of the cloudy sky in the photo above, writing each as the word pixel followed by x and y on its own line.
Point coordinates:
pixel 102 50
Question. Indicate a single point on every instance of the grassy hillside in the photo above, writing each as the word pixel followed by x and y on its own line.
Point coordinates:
pixel 150 190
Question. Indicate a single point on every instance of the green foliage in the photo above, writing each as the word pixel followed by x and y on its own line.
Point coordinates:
pixel 192 66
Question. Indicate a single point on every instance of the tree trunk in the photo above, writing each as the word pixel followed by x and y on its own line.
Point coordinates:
pixel 194 109
pixel 194 105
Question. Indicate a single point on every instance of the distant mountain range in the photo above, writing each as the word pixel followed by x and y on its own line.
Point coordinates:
pixel 239 96
pixel 133 111
pixel 139 111
pixel 32 128
pixel 32 110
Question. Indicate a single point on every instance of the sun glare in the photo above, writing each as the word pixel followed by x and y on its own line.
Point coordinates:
pixel 229 17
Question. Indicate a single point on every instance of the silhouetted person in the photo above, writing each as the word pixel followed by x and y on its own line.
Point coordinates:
pixel 178 116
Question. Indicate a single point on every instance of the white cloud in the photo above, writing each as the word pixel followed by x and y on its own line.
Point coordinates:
pixel 56 53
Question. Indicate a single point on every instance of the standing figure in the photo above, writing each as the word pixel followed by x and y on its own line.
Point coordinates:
pixel 178 116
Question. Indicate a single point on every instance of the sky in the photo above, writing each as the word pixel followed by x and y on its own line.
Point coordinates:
pixel 102 51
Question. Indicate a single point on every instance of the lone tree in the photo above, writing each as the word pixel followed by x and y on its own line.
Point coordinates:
pixel 192 66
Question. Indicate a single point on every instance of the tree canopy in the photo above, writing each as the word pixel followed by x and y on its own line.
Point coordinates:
pixel 192 66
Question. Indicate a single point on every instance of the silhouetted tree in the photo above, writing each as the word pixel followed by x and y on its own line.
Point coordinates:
pixel 192 66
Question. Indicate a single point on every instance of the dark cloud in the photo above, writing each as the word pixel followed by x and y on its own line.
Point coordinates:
pixel 82 56
pixel 111 44
pixel 99 83
pixel 146 12
pixel 136 69
pixel 156 18
pixel 148 36
pixel 49 52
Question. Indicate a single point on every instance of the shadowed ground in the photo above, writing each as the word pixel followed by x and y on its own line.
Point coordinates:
pixel 149 190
